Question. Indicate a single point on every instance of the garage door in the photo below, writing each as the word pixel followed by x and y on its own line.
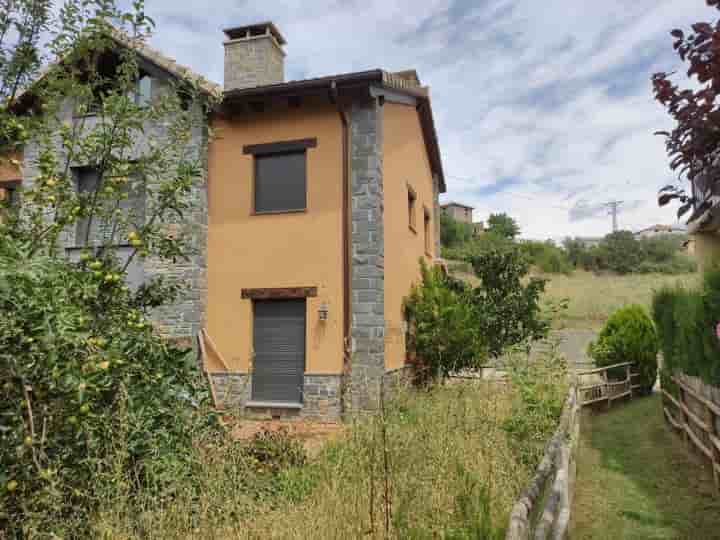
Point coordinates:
pixel 279 344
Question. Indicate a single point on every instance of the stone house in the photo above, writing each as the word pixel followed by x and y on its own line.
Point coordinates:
pixel 319 199
pixel 457 211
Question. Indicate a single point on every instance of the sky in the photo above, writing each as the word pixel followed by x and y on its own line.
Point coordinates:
pixel 544 110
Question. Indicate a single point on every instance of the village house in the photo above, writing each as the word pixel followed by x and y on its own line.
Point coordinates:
pixel 323 199
pixel 457 211
pixel 463 214
pixel 319 201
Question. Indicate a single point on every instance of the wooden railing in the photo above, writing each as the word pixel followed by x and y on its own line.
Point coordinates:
pixel 700 429
pixel 607 390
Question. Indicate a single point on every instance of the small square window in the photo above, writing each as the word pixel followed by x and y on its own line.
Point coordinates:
pixel 9 194
pixel 412 200
pixel 280 182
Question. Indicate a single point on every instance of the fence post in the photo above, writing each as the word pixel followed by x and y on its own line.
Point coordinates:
pixel 607 389
pixel 686 420
pixel 628 377
pixel 712 426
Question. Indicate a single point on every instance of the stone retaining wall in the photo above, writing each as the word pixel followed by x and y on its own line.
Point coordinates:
pixel 543 510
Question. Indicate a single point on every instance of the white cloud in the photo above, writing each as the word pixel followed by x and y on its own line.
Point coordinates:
pixel 551 97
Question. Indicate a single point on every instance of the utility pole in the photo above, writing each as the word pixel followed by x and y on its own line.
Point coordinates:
pixel 613 211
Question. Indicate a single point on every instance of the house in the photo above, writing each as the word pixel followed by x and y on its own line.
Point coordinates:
pixel 182 320
pixel 323 197
pixel 457 211
pixel 659 230
pixel 319 200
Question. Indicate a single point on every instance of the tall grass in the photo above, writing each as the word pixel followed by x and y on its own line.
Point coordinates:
pixel 443 462
pixel 592 298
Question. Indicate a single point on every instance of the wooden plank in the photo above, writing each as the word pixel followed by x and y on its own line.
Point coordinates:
pixel 698 443
pixel 215 349
pixel 598 370
pixel 617 383
pixel 285 293
pixel 604 398
pixel 612 398
pixel 584 388
pixel 709 404
pixel 671 419
pixel 715 441
pixel 672 399
pixel 201 343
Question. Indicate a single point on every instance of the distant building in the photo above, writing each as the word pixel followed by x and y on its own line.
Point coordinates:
pixel 657 230
pixel 457 211
pixel 589 242
pixel 478 228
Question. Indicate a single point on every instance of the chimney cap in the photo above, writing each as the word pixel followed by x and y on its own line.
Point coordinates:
pixel 254 30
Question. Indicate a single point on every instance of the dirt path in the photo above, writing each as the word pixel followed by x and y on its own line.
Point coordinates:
pixel 637 480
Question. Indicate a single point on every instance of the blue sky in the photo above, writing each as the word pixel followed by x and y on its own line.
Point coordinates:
pixel 544 109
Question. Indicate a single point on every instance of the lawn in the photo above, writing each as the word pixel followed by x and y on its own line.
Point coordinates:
pixel 637 480
pixel 592 298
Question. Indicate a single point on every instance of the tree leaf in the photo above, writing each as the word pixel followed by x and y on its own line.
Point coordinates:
pixel 684 209
pixel 665 198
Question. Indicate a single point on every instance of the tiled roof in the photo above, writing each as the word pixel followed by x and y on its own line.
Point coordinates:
pixel 151 55
pixel 166 62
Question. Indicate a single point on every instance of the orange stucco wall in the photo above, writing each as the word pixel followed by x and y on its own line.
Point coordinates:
pixel 405 163
pixel 278 250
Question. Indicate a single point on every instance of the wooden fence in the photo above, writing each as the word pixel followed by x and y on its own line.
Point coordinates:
pixel 701 429
pixel 607 390
pixel 543 510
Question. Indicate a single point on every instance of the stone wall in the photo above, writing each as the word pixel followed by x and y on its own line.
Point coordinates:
pixel 184 318
pixel 367 326
pixel 322 395
pixel 253 61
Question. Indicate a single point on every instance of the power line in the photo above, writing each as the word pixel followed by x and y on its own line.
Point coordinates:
pixel 613 207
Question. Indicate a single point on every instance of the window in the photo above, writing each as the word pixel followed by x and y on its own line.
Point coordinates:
pixel 143 91
pixel 280 183
pixel 412 199
pixel 87 184
pixel 9 194
pixel 427 230
pixel 132 207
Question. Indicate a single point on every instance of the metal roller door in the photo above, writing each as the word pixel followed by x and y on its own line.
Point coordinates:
pixel 279 345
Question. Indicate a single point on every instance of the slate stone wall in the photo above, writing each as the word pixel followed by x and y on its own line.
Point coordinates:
pixel 367 327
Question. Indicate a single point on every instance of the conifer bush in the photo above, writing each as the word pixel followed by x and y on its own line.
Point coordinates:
pixel 628 336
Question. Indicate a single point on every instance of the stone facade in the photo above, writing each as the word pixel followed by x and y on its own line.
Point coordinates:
pixel 322 394
pixel 183 319
pixel 253 61
pixel 367 325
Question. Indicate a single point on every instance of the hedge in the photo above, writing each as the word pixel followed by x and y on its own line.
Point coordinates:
pixel 688 321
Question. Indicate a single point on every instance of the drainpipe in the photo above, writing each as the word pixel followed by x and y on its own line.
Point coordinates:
pixel 346 205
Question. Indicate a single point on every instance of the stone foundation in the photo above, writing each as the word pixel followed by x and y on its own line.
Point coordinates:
pixel 322 396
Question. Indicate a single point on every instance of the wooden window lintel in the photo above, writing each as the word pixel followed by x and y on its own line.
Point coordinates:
pixel 280 293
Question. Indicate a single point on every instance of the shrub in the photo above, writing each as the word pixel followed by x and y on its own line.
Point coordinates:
pixel 454 233
pixel 628 336
pixel 546 256
pixel 443 330
pixel 687 321
pixel 507 302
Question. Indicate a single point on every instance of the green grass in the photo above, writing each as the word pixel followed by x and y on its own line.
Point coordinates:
pixel 592 298
pixel 637 480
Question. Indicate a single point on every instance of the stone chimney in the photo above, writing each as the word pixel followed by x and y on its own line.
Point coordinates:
pixel 254 56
